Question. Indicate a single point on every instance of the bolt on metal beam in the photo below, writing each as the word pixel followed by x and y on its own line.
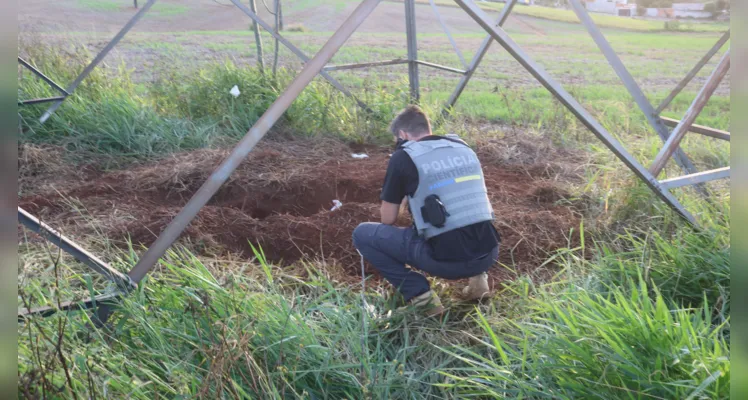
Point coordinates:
pixel 99 57
pixel 477 58
pixel 572 105
pixel 253 136
pixel 628 81
pixel 692 73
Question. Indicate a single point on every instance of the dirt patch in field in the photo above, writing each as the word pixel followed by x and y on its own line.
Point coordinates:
pixel 281 197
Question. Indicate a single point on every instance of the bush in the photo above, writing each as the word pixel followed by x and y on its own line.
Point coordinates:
pixel 296 28
pixel 673 25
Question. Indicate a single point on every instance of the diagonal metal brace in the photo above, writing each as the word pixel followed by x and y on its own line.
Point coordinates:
pixel 297 52
pixel 573 105
pixel 633 88
pixel 123 281
pixel 45 78
pixel 477 58
pixel 679 132
pixel 692 73
pixel 449 34
pixel 99 57
pixel 75 305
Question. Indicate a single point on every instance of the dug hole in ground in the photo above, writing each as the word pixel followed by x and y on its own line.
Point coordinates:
pixel 281 197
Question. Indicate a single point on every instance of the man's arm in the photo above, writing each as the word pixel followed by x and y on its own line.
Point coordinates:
pixel 395 189
pixel 389 212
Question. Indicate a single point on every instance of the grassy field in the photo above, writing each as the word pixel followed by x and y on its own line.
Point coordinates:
pixel 607 21
pixel 639 309
pixel 158 9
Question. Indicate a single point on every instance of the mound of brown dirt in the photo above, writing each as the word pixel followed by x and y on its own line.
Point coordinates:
pixel 280 199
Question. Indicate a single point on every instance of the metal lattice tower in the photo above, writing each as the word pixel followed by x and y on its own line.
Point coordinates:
pixel 317 65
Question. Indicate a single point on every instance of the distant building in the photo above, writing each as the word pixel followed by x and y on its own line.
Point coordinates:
pixel 622 8
pixel 690 10
pixel 658 12
pixel 525 2
pixel 680 10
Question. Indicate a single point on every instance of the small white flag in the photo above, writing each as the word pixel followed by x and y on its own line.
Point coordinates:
pixel 235 91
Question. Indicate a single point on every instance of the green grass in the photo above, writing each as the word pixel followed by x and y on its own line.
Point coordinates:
pixel 189 107
pixel 636 315
pixel 167 10
pixel 100 5
pixel 158 9
pixel 639 310
pixel 302 5
pixel 581 344
pixel 110 114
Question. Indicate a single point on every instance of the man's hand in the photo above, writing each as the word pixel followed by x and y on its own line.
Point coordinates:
pixel 389 212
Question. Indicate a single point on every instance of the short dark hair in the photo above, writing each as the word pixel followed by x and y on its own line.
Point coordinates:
pixel 411 120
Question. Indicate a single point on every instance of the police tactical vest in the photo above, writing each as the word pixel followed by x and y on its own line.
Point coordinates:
pixel 451 171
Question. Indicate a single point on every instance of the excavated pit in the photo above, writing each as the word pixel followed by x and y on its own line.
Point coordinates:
pixel 280 199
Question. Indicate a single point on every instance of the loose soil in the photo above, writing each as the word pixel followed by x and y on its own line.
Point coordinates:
pixel 280 199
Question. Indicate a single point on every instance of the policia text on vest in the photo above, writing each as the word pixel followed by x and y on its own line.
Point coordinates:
pixel 443 172
pixel 450 171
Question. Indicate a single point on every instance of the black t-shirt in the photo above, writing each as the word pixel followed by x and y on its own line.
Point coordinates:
pixel 463 244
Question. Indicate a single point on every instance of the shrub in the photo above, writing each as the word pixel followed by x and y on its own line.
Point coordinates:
pixel 673 25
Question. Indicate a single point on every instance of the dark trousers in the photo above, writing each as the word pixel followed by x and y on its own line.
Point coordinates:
pixel 388 248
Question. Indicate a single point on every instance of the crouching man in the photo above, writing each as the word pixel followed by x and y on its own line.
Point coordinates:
pixel 452 236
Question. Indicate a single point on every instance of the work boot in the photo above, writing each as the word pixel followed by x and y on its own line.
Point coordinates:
pixel 477 288
pixel 428 303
